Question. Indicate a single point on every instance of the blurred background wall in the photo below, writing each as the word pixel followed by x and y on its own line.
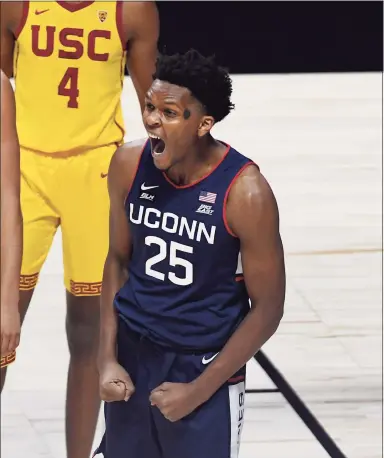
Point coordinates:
pixel 278 37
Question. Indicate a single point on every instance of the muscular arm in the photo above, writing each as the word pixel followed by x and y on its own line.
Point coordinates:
pixel 120 177
pixel 253 216
pixel 142 21
pixel 11 219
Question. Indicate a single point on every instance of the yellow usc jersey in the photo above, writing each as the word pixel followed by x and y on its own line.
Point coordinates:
pixel 69 67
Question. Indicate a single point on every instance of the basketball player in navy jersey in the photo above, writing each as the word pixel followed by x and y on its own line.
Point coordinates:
pixel 194 234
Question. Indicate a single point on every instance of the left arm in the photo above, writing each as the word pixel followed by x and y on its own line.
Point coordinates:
pixel 141 19
pixel 252 215
pixel 11 221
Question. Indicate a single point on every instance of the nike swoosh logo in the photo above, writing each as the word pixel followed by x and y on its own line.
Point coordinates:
pixel 145 188
pixel 40 12
pixel 103 175
pixel 206 361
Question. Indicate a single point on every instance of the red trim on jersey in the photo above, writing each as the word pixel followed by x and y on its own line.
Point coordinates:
pixel 122 86
pixel 239 378
pixel 23 19
pixel 227 194
pixel 119 23
pixel 73 7
pixel 137 168
pixel 239 278
pixel 201 179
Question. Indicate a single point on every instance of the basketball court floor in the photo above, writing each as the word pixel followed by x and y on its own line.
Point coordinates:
pixel 317 139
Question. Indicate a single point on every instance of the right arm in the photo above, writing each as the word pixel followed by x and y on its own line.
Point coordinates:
pixel 120 177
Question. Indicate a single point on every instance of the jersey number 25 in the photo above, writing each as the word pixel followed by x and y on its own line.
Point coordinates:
pixel 174 260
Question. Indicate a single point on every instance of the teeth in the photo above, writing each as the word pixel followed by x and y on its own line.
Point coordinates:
pixel 154 136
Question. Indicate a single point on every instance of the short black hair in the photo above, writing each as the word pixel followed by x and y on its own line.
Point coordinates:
pixel 209 83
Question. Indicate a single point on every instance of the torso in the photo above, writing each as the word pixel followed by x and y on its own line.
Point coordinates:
pixel 185 287
pixel 69 67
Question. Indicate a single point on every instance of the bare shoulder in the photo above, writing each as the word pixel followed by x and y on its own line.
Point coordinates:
pixel 140 18
pixel 251 201
pixel 140 10
pixel 251 187
pixel 127 156
pixel 124 163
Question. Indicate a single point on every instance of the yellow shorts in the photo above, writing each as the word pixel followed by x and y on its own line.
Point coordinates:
pixel 8 359
pixel 71 192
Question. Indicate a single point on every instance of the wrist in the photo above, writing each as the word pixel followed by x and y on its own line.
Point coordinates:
pixel 104 359
pixel 201 390
pixel 10 302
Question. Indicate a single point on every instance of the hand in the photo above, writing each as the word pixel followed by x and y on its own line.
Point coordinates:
pixel 115 383
pixel 175 400
pixel 10 329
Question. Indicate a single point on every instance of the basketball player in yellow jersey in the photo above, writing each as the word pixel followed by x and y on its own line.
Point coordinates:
pixel 11 225
pixel 68 61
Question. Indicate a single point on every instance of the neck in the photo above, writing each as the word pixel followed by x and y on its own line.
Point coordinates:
pixel 199 161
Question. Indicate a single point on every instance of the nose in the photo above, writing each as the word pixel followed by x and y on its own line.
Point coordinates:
pixel 153 119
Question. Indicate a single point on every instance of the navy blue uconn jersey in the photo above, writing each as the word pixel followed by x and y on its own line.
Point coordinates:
pixel 185 290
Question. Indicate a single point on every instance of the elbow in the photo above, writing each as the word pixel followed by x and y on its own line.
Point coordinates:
pixel 271 310
pixel 278 316
pixel 274 314
pixel 116 261
pixel 115 268
pixel 280 311
pixel 274 319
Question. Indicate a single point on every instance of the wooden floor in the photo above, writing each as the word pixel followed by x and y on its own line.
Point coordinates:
pixel 317 139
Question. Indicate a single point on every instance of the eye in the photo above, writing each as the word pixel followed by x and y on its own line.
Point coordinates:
pixel 169 113
pixel 149 106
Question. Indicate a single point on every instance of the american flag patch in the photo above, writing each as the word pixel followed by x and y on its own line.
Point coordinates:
pixel 209 197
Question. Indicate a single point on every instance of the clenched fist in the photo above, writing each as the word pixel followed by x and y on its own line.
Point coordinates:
pixel 115 383
pixel 175 400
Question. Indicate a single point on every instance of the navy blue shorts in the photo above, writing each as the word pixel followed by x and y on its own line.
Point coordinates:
pixel 135 429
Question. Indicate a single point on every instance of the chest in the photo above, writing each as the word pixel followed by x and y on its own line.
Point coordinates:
pixel 52 32
pixel 185 215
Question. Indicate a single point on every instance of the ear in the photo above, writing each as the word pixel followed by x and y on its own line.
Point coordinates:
pixel 205 125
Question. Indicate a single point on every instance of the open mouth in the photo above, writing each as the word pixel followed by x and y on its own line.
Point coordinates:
pixel 157 144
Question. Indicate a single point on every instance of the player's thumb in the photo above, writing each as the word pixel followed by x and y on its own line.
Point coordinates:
pixel 156 397
pixel 163 387
pixel 129 387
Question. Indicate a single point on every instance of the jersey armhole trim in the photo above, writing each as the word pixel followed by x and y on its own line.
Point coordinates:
pixel 202 178
pixel 137 168
pixel 119 23
pixel 23 19
pixel 227 195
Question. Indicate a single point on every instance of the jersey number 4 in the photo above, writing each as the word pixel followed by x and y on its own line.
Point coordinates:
pixel 174 260
pixel 69 86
